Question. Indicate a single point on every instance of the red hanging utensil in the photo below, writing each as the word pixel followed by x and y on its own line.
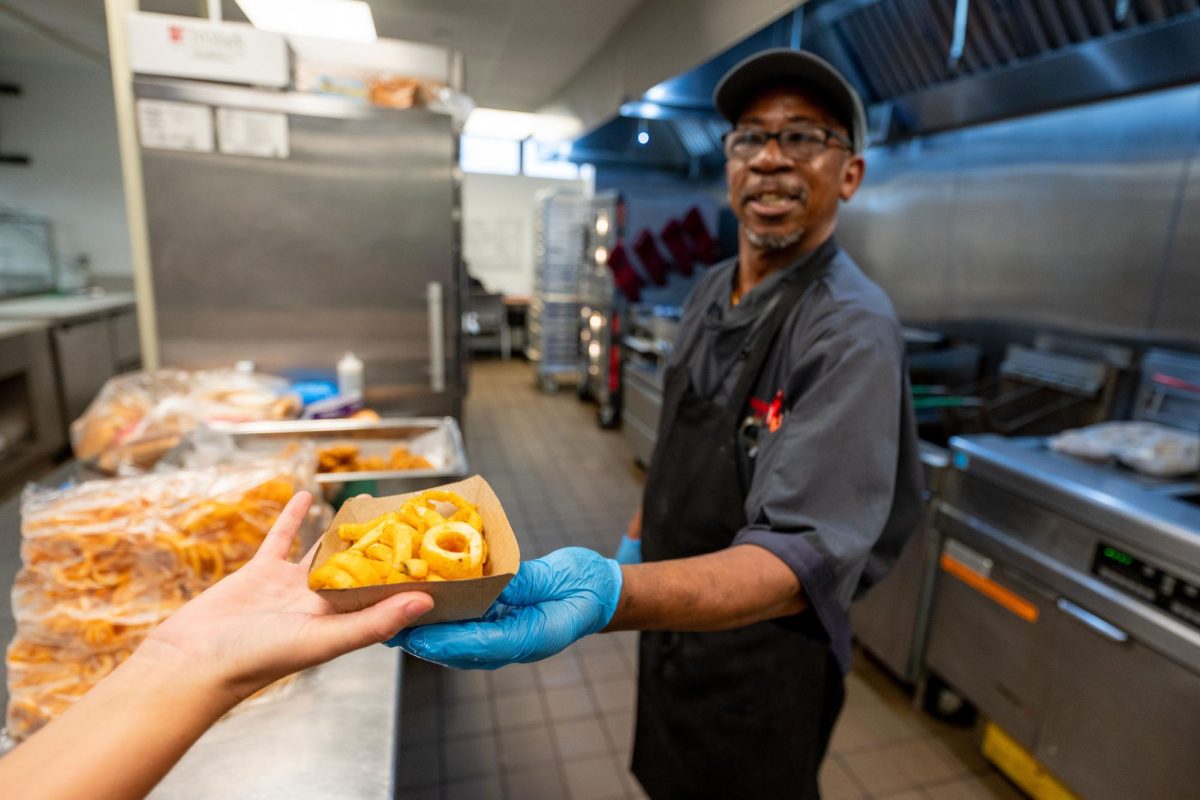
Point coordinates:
pixel 652 261
pixel 706 248
pixel 672 236
pixel 625 277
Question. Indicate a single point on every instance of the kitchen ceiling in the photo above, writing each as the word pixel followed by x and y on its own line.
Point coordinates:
pixel 53 32
pixel 518 52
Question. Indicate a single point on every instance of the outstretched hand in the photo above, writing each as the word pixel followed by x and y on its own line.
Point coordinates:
pixel 263 622
pixel 550 603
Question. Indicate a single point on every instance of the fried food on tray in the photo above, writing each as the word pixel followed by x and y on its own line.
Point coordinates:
pixel 103 562
pixel 382 550
pixel 453 550
pixel 348 458
pixel 137 417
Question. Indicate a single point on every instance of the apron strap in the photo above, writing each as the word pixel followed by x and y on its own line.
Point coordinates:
pixel 762 341
pixel 758 346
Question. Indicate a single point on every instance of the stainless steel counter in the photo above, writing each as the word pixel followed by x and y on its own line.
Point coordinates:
pixel 335 735
pixel 65 308
pixel 11 328
pixel 93 338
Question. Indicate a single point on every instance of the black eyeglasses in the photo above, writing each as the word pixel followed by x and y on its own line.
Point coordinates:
pixel 799 143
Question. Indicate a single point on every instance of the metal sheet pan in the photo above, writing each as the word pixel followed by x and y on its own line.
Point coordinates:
pixel 438 439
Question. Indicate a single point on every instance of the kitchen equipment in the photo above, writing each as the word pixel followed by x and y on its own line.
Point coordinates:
pixel 1058 383
pixel 601 315
pixel 890 622
pixel 1067 607
pixel 554 313
pixel 93 338
pixel 349 242
pixel 486 323
pixel 1169 392
pixel 438 439
pixel 647 344
pixel 31 426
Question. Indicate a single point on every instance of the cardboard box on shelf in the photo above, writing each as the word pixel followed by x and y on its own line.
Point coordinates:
pixel 453 600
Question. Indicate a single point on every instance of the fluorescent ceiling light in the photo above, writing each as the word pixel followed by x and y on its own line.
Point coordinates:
pixel 331 19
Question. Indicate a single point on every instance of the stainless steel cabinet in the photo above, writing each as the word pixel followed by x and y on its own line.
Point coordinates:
pixel 126 342
pixel 85 361
pixel 985 650
pixel 89 352
pixel 91 339
pixel 1090 674
pixel 887 619
pixel 892 619
pixel 30 418
pixel 642 406
pixel 1125 720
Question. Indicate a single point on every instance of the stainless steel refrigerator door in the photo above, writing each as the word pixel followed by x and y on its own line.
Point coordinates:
pixel 342 246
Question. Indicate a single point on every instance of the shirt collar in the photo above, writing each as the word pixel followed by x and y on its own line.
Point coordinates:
pixel 755 302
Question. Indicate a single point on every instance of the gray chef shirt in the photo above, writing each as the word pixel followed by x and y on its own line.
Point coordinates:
pixel 835 489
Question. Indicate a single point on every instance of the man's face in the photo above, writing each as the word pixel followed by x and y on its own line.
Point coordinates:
pixel 780 201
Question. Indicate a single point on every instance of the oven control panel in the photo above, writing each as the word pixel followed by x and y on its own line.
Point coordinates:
pixel 1158 587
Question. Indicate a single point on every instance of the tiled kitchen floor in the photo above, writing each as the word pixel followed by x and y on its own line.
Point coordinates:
pixel 563 728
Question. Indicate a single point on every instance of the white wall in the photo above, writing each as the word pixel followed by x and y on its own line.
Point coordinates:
pixel 65 121
pixel 498 228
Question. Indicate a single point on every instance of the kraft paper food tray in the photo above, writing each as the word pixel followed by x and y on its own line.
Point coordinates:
pixel 453 600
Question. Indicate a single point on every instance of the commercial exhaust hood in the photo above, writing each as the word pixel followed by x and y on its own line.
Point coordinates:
pixel 926 65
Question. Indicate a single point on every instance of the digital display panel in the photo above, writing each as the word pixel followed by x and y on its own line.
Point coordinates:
pixel 1148 583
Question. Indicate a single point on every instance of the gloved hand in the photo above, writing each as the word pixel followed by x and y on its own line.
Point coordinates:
pixel 550 603
pixel 629 551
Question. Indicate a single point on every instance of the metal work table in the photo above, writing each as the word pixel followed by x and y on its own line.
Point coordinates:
pixel 65 308
pixel 335 733
pixel 91 339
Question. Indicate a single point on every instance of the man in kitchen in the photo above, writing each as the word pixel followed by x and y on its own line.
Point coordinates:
pixel 784 481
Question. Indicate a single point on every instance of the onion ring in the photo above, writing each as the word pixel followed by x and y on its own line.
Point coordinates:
pixel 454 550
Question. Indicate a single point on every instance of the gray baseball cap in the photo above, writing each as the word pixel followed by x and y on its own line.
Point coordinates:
pixel 782 65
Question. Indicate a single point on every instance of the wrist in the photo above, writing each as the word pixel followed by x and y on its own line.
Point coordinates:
pixel 161 667
pixel 621 600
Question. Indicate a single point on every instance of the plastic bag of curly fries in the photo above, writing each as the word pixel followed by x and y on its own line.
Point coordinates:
pixel 453 542
pixel 103 562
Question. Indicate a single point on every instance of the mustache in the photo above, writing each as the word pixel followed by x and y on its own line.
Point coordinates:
pixel 798 192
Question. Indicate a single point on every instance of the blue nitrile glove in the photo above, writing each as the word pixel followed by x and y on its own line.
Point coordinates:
pixel 550 603
pixel 630 551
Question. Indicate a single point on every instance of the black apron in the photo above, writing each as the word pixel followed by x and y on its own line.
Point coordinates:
pixel 745 712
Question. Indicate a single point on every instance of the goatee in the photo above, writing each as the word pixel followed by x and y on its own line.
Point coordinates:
pixel 774 241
